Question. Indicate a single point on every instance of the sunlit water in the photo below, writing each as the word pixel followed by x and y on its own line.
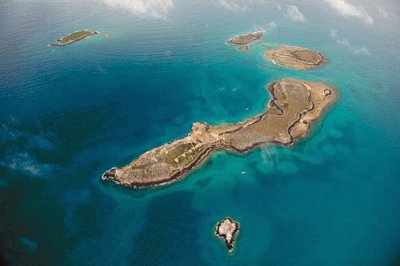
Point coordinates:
pixel 69 113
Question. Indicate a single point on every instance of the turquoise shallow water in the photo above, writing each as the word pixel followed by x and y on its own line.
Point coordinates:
pixel 69 113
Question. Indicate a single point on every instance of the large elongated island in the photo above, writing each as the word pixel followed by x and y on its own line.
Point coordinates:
pixel 294 105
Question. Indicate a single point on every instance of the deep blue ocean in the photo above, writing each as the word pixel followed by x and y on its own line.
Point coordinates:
pixel 69 113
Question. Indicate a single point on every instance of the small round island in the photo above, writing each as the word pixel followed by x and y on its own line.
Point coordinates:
pixel 296 57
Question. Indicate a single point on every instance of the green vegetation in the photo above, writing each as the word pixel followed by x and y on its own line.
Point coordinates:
pixel 176 152
pixel 75 36
pixel 307 56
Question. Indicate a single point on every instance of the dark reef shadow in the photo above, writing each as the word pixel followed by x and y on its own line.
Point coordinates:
pixel 170 235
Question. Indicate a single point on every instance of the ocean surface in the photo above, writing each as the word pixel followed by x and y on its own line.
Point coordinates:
pixel 69 113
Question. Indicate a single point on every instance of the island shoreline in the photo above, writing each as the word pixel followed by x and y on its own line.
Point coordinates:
pixel 224 235
pixel 59 43
pixel 285 55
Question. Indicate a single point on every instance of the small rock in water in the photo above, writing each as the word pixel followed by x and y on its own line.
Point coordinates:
pixel 244 48
pixel 227 229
